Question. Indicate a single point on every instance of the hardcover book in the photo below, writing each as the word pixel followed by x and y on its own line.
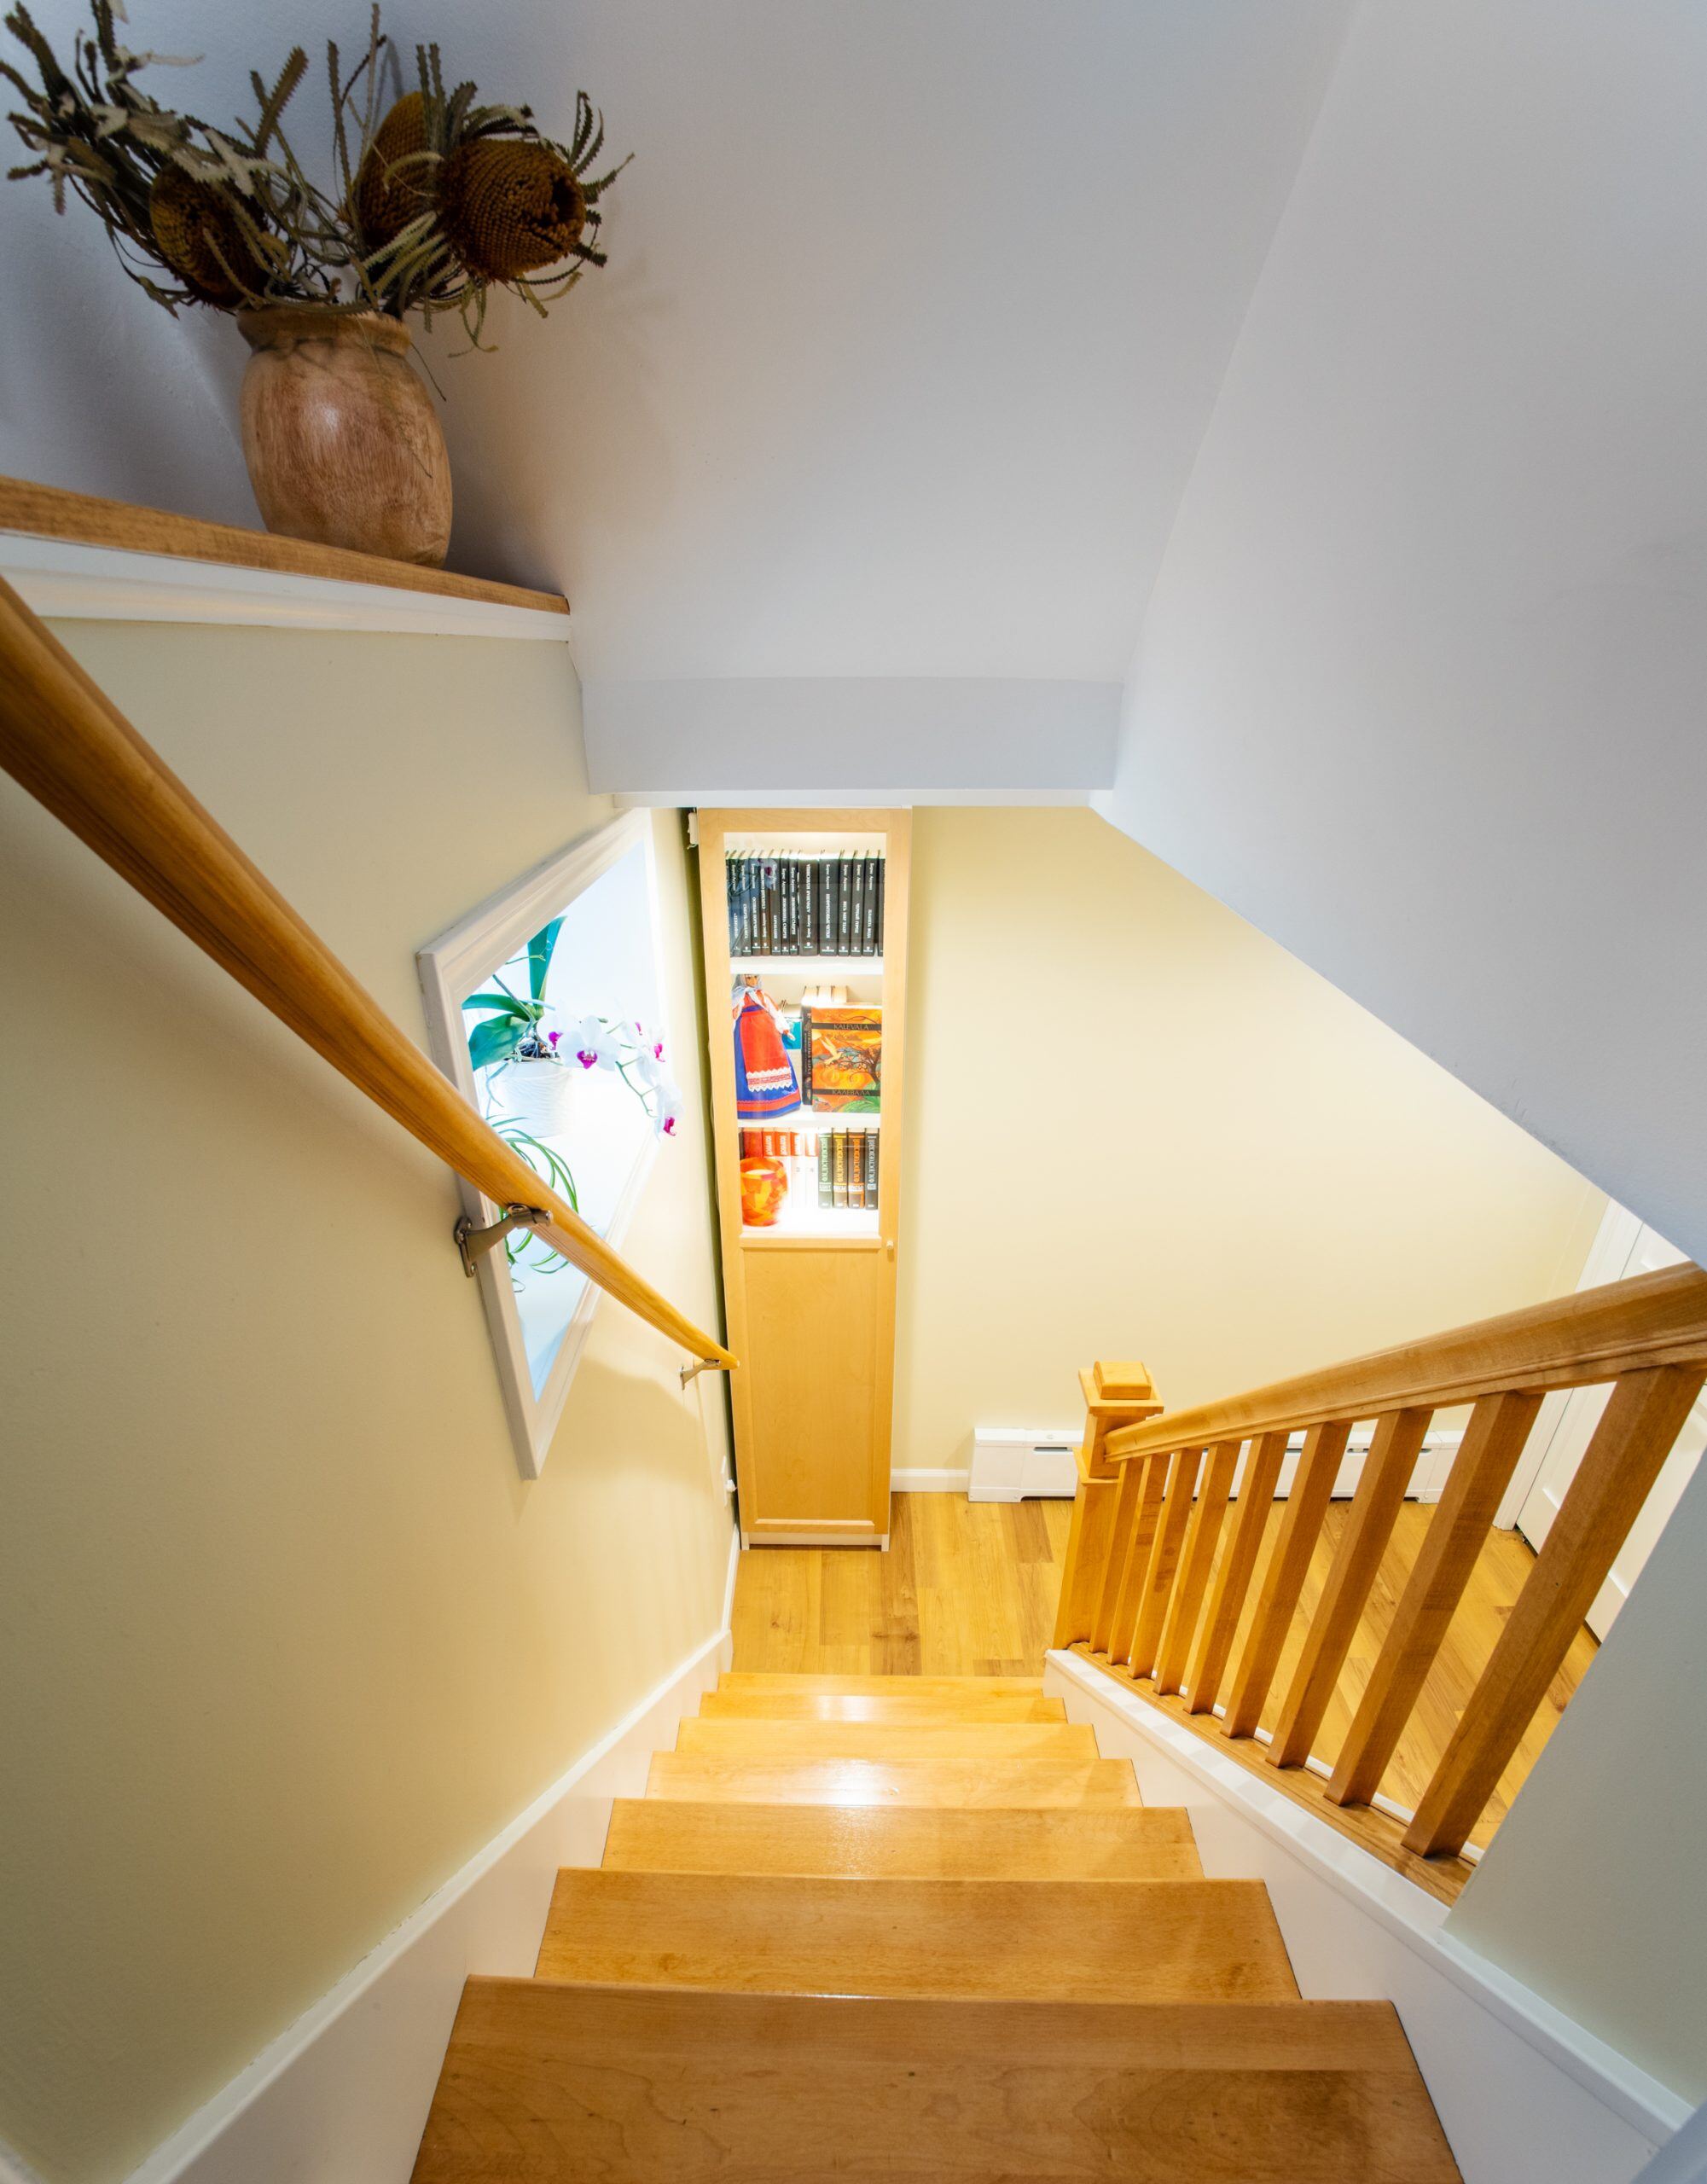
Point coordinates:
pixel 843 1060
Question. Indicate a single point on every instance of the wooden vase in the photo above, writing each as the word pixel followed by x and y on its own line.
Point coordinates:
pixel 342 441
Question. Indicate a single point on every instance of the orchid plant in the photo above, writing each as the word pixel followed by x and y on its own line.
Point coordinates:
pixel 512 1031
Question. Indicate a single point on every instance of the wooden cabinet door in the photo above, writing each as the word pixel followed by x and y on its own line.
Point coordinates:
pixel 815 1382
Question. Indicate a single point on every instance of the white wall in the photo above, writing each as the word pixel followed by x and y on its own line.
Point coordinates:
pixel 1420 688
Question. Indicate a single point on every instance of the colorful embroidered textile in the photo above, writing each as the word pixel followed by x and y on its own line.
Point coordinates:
pixel 765 1084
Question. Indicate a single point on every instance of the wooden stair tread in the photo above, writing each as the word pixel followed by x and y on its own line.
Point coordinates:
pixel 675 1835
pixel 644 2086
pixel 772 1779
pixel 1163 1941
pixel 947 1709
pixel 881 1687
pixel 743 1739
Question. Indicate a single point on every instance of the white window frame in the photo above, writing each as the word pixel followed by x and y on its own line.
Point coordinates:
pixel 456 965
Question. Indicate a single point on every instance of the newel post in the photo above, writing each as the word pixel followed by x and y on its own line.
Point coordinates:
pixel 1115 1395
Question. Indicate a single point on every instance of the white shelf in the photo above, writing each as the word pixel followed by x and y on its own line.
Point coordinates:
pixel 837 967
pixel 815 1220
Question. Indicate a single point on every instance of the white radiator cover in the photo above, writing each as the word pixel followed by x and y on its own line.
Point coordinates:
pixel 1009 1462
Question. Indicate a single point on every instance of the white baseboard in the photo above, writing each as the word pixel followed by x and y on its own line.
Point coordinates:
pixel 1525 2095
pixel 341 2097
pixel 929 1481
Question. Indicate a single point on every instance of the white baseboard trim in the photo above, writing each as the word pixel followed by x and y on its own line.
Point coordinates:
pixel 341 2097
pixel 729 1594
pixel 1524 2094
pixel 929 1481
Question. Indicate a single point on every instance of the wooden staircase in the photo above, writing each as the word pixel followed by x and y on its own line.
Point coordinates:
pixel 888 1927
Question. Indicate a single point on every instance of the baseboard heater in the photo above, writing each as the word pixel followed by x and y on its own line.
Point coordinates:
pixel 1010 1463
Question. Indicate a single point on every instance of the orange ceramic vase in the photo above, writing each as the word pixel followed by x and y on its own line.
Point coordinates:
pixel 763 1186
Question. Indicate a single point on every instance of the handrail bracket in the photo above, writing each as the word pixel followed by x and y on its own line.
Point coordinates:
pixel 473 1242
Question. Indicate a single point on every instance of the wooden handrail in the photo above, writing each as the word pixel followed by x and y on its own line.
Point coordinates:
pixel 1146 1597
pixel 65 741
pixel 1571 1342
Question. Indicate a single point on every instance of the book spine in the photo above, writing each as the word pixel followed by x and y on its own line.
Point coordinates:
pixel 785 875
pixel 805 1055
pixel 827 919
pixel 856 1174
pixel 882 898
pixel 839 1166
pixel 826 1188
pixel 796 917
pixel 844 902
pixel 808 907
pixel 856 921
pixel 873 867
pixel 870 1150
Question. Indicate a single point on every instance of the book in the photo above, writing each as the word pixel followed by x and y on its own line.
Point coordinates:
pixel 846 1059
pixel 805 1054
pixel 844 902
pixel 882 892
pixel 870 1152
pixel 827 1191
pixel 873 867
pixel 808 906
pixel 838 1167
pixel 856 909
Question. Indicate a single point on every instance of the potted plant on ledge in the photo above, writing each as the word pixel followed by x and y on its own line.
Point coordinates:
pixel 436 199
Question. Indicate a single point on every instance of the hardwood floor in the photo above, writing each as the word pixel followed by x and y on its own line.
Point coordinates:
pixel 969 1589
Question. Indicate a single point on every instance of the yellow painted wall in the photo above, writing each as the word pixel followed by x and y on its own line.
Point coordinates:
pixel 1137 1128
pixel 283 1637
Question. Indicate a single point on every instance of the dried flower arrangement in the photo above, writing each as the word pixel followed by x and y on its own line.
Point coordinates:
pixel 437 199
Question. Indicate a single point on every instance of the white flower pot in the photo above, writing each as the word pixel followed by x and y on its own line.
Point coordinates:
pixel 539 1096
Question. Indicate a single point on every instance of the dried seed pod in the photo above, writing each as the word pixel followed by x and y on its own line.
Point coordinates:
pixel 389 195
pixel 198 235
pixel 510 205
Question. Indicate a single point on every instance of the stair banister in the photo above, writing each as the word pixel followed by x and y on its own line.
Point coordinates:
pixel 65 741
pixel 1145 1596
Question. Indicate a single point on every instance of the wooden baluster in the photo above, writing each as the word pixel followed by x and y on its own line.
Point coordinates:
pixel 1146 1517
pixel 1196 1559
pixel 1115 1395
pixel 1493 1441
pixel 1165 1560
pixel 1284 1579
pixel 1232 1580
pixel 1119 1555
pixel 1633 1439
pixel 1375 1508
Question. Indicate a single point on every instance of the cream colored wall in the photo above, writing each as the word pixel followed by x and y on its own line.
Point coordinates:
pixel 1139 1129
pixel 285 1637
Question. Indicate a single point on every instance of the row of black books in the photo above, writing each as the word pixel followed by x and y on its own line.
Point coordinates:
pixel 806 905
pixel 842 1163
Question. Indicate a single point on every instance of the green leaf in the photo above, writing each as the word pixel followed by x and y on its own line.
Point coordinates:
pixel 505 1005
pixel 494 1041
pixel 539 956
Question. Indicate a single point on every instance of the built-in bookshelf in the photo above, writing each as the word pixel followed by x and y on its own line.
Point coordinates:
pixel 804 919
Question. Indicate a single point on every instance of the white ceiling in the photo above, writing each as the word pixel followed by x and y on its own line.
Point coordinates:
pixel 916 313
